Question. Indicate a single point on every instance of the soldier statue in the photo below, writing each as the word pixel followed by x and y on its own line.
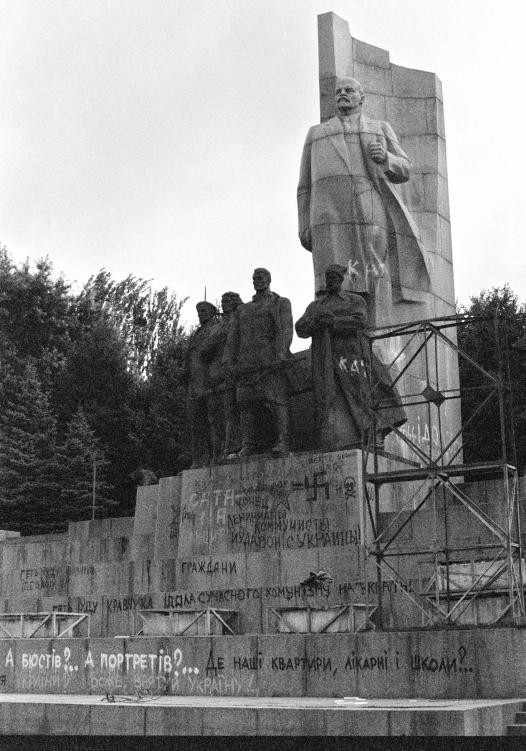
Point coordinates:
pixel 196 380
pixel 222 406
pixel 257 351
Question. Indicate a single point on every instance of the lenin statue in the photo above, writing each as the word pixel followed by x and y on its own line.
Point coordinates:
pixel 350 214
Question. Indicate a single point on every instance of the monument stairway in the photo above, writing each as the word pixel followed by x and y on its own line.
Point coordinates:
pixel 519 726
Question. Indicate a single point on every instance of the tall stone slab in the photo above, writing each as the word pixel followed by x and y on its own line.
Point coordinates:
pixel 410 100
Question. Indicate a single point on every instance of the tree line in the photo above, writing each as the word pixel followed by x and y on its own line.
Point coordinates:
pixel 90 384
pixel 91 388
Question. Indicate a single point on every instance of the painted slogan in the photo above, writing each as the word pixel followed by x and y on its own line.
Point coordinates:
pixel 304 501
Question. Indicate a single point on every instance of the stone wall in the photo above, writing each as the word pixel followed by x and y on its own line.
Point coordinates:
pixel 242 537
pixel 435 664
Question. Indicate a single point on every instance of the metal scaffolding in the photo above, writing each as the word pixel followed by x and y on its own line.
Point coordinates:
pixel 428 470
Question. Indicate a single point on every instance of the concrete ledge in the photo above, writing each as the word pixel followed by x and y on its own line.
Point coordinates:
pixel 39 714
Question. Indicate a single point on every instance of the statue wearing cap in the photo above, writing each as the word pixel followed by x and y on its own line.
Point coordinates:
pixel 343 369
pixel 197 388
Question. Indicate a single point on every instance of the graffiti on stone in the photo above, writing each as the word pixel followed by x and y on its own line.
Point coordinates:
pixel 300 508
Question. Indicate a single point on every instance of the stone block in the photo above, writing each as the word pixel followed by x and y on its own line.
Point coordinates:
pixel 142 546
pixel 67 719
pixel 435 117
pixel 325 673
pixel 408 82
pixel 442 664
pixel 442 269
pixel 212 572
pixel 374 80
pixel 284 721
pixel 105 531
pixel 327 104
pixel 110 579
pixel 296 566
pixel 252 617
pixel 335 46
pixel 375 106
pixel 78 530
pixel 407 115
pixel 168 574
pixel 121 526
pixel 229 721
pixel 369 54
pixel 436 234
pixel 424 152
pixel 263 568
pixel 101 674
pixel 172 721
pixel 90 551
pixel 9 665
pixel 355 721
pixel 118 614
pixel 23 719
pixel 6 534
pixel 145 576
pixel 146 510
pixel 283 655
pixel 436 194
pixel 115 719
pixel 82 580
pixel 96 528
pixel 343 566
pixel 9 555
pixel 120 548
pixel 49 666
pixel 236 665
pixel 167 523
pixel 499 660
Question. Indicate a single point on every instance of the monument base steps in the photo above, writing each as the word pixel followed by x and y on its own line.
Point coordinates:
pixel 39 714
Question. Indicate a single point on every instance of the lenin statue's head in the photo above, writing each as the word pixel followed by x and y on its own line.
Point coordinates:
pixel 349 96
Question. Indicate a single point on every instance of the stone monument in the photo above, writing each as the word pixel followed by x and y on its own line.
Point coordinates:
pixel 254 578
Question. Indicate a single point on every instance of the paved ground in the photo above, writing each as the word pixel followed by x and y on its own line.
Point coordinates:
pixel 55 714
pixel 249 702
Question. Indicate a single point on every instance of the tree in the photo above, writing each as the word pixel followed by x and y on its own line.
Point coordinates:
pixel 29 471
pixel 112 351
pixel 160 411
pixel 97 379
pixel 78 455
pixel 35 310
pixel 499 315
pixel 144 318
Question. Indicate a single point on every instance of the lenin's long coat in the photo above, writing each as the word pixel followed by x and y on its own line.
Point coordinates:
pixel 324 191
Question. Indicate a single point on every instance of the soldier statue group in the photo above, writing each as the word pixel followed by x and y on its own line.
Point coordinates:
pixel 236 367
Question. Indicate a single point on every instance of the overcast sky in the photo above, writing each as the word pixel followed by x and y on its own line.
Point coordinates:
pixel 162 138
